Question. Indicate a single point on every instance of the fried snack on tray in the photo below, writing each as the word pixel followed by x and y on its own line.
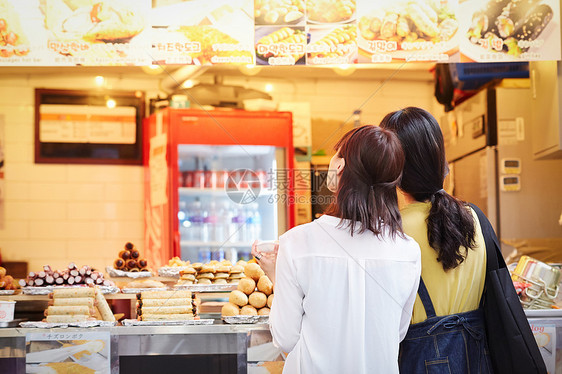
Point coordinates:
pixel 209 38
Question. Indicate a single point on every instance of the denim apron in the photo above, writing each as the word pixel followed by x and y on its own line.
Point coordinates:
pixel 449 344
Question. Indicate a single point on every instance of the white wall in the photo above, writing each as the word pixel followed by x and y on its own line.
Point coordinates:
pixel 55 214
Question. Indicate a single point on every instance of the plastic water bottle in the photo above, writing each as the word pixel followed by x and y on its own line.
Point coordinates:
pixel 253 223
pixel 224 221
pixel 197 218
pixel 210 223
pixel 204 255
pixel 231 254
pixel 217 254
pixel 237 224
pixel 184 221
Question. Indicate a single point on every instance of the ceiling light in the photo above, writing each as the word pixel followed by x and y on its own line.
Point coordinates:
pixel 100 80
pixel 152 69
pixel 188 84
pixel 250 69
pixel 110 103
pixel 344 69
pixel 268 87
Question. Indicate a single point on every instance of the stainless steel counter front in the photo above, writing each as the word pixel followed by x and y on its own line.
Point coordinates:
pixel 143 341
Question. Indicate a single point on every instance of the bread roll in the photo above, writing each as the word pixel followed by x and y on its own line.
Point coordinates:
pixel 230 309
pixel 238 297
pixel 236 269
pixel 206 275
pixel 269 300
pixel 265 285
pixel 177 294
pixel 103 307
pixel 73 292
pixel 166 317
pixel 204 281
pixel 74 301
pixel 68 310
pixel 166 309
pixel 165 302
pixel 258 300
pixel 263 311
pixel 253 271
pixel 66 318
pixel 247 285
pixel 248 310
pixel 221 275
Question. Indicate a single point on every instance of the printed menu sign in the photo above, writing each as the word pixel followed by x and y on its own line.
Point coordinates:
pixel 68 352
pixel 545 335
pixel 276 32
pixel 202 32
pixel 510 30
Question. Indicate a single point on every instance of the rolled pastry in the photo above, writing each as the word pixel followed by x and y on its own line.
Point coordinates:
pixel 68 310
pixel 103 307
pixel 74 301
pixel 73 292
pixel 180 294
pixel 67 318
pixel 164 302
pixel 166 309
pixel 166 317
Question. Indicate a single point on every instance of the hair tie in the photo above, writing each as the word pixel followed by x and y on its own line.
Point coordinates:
pixel 438 191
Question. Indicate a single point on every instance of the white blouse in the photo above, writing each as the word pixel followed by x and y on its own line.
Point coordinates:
pixel 342 303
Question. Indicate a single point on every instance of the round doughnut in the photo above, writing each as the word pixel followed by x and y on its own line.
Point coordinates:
pixel 253 271
pixel 263 311
pixel 265 285
pixel 248 310
pixel 230 309
pixel 258 300
pixel 269 300
pixel 238 298
pixel 247 285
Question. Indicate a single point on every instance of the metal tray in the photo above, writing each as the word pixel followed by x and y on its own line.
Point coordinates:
pixel 240 320
pixel 134 322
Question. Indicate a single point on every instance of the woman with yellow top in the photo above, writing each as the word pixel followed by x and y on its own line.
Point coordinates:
pixel 447 333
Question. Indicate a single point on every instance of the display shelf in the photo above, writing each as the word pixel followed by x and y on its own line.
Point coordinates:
pixel 195 243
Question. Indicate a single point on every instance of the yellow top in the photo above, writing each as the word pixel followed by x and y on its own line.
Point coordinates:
pixel 457 290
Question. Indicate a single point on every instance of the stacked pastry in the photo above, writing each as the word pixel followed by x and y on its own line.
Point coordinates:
pixel 187 276
pixel 236 273
pixel 254 295
pixel 78 305
pixel 177 305
pixel 206 274
pixel 130 259
pixel 222 272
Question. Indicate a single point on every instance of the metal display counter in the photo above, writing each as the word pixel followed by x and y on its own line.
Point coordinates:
pixel 213 348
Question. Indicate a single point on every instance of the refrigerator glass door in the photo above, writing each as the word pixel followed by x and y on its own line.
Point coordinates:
pixel 229 196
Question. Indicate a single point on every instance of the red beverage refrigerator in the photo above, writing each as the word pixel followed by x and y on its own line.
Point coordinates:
pixel 215 181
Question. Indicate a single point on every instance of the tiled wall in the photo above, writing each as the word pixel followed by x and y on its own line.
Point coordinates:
pixel 85 213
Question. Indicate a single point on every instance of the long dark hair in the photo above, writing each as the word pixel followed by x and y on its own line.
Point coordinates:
pixel 450 224
pixel 366 191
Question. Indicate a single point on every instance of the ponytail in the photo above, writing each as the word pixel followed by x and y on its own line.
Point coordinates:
pixel 450 229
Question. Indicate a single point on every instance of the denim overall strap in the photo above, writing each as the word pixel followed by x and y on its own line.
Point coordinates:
pixel 426 300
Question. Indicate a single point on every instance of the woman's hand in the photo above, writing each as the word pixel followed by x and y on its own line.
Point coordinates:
pixel 266 260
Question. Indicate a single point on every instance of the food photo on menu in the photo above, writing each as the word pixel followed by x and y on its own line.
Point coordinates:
pixel 280 45
pixel 509 30
pixel 424 30
pixel 203 33
pixel 91 32
pixel 13 39
pixel 279 12
pixel 332 45
pixel 330 11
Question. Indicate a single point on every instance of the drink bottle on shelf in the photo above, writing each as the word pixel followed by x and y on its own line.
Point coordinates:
pixel 197 218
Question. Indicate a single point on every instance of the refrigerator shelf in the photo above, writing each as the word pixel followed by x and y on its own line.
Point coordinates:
pixel 191 191
pixel 192 243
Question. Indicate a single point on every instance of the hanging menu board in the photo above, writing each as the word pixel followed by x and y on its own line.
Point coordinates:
pixel 276 32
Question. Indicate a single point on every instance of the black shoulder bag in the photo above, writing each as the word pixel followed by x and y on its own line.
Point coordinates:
pixel 511 343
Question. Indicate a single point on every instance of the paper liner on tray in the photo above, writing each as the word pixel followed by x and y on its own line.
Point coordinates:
pixel 130 274
pixel 171 271
pixel 52 325
pixel 238 320
pixel 135 322
pixel 207 287
pixel 139 290
pixel 7 292
pixel 45 290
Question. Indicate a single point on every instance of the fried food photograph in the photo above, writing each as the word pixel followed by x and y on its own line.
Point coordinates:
pixel 410 21
pixel 13 40
pixel 288 42
pixel 330 11
pixel 338 43
pixel 278 12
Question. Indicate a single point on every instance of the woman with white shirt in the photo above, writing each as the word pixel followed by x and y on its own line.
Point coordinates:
pixel 346 283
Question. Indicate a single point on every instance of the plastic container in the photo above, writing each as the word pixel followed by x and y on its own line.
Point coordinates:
pixel 7 311
pixel 471 76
